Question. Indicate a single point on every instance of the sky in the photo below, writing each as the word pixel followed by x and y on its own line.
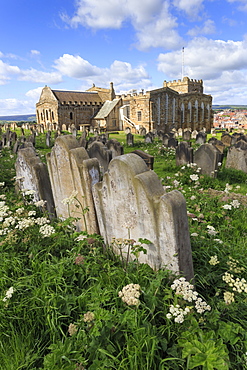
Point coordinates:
pixel 136 44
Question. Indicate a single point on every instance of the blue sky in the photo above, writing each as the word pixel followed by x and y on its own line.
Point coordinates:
pixel 136 44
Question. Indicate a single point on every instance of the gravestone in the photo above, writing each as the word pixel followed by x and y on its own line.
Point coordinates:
pixel 142 131
pixel 186 135
pixel 217 144
pixel 130 139
pixel 207 158
pixel 98 150
pixel 165 140
pixel 148 159
pixel 131 202
pixel 115 147
pixel 194 134
pixel 71 170
pixel 241 144
pixel 127 130
pixel 48 139
pixel 180 132
pixel 201 138
pixel 33 175
pixel 184 154
pixel 149 138
pixel 172 143
pixel 237 159
pixel 226 139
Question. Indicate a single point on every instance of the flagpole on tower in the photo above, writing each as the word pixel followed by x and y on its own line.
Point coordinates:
pixel 182 63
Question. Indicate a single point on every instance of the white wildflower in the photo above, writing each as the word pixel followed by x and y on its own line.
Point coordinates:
pixel 194 177
pixel 46 230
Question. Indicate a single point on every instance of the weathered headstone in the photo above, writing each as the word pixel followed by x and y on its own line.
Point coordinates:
pixel 184 154
pixel 148 159
pixel 172 143
pixel 237 158
pixel 186 135
pixel 98 150
pixel 131 201
pixel 130 139
pixel 165 140
pixel 115 147
pixel 149 138
pixel 201 137
pixel 194 134
pixel 142 131
pixel 207 157
pixel 73 172
pixel 48 139
pixel 226 139
pixel 33 175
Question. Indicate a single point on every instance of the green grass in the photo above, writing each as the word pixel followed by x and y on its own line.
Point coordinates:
pixel 58 279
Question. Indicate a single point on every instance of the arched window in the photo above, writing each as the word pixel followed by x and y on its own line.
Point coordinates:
pixel 71 115
pixel 166 108
pixel 158 110
pixel 202 110
pixel 190 111
pixel 196 108
pixel 47 116
pixel 182 113
pixel 173 110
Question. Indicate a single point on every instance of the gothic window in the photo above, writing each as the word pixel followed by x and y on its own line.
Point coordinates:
pixel 158 110
pixel 196 108
pixel 71 115
pixel 166 109
pixel 173 110
pixel 190 111
pixel 182 112
pixel 139 115
pixel 47 117
pixel 52 115
pixel 202 109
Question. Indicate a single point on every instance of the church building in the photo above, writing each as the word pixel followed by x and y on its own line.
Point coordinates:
pixel 177 104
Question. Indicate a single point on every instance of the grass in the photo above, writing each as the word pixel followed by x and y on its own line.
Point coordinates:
pixel 65 311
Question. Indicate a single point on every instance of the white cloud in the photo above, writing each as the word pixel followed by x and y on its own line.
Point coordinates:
pixel 190 7
pixel 7 71
pixel 34 94
pixel 207 28
pixel 151 19
pixel 33 75
pixel 75 66
pixel 241 4
pixel 121 73
pixel 205 58
pixel 35 52
pixel 15 106
pixel 220 64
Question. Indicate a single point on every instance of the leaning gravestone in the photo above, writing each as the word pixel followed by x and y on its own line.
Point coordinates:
pixel 115 147
pixel 148 159
pixel 172 143
pixel 33 175
pixel 184 154
pixel 165 140
pixel 149 138
pixel 194 134
pixel 131 202
pixel 72 171
pixel 207 157
pixel 237 158
pixel 142 131
pixel 98 150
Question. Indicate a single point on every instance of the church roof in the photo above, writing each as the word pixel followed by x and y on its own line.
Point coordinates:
pixel 77 97
pixel 106 109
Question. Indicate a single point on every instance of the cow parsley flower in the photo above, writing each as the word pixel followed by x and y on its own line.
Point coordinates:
pixel 130 294
pixel 46 230
pixel 214 260
pixel 194 177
